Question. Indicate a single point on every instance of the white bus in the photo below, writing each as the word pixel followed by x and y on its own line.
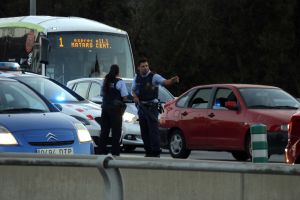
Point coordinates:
pixel 65 48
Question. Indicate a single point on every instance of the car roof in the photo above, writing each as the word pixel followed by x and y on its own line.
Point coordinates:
pixel 10 74
pixel 94 79
pixel 237 85
pixel 7 79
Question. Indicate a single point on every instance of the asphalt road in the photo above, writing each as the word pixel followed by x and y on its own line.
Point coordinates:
pixel 202 155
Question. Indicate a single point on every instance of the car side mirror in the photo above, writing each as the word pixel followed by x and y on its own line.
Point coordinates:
pixel 44 49
pixel 231 105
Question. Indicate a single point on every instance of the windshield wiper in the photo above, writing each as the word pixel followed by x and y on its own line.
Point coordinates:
pixel 22 110
pixel 259 106
pixel 286 107
pixel 273 107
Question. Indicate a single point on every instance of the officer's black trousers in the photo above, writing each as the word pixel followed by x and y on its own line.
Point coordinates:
pixel 111 120
pixel 148 120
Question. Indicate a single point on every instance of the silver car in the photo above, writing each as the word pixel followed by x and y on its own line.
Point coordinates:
pixel 89 88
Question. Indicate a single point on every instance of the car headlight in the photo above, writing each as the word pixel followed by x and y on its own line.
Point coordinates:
pixel 129 117
pixel 6 138
pixel 82 133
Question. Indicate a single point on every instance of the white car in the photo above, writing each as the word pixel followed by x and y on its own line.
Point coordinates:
pixel 89 88
pixel 65 99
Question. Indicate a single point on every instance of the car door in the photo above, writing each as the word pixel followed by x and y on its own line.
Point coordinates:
pixel 193 117
pixel 225 128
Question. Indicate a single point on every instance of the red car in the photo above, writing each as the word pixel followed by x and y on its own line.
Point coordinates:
pixel 292 150
pixel 218 117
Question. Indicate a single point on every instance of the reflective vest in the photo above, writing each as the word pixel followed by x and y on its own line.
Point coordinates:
pixel 146 90
pixel 113 94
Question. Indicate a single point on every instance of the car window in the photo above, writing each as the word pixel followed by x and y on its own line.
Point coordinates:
pixel 82 88
pixel 201 98
pixel 222 96
pixel 14 95
pixel 94 90
pixel 268 98
pixel 182 101
pixel 164 95
pixel 49 89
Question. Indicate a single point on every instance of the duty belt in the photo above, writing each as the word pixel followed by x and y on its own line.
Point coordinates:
pixel 149 104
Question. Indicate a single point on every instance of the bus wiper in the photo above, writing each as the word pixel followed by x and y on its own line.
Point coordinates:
pixel 22 110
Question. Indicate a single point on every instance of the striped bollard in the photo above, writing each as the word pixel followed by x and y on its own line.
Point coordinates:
pixel 259 143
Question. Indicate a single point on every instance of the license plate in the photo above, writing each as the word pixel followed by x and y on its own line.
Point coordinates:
pixel 60 151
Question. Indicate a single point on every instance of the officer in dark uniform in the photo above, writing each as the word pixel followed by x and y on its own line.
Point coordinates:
pixel 114 92
pixel 145 95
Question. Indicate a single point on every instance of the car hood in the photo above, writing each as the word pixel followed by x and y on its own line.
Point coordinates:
pixel 81 109
pixel 37 121
pixel 276 115
pixel 131 108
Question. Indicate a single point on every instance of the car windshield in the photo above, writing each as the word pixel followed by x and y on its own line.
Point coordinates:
pixel 52 91
pixel 268 98
pixel 17 98
pixel 163 95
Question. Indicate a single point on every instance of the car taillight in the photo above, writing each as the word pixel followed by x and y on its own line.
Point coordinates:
pixel 290 127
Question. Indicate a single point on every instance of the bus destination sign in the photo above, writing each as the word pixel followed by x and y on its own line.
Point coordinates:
pixel 99 43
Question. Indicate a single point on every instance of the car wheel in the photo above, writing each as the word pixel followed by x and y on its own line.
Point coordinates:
pixel 244 155
pixel 240 155
pixel 177 145
pixel 128 148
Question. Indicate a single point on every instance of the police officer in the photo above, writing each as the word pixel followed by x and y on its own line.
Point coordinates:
pixel 114 92
pixel 145 95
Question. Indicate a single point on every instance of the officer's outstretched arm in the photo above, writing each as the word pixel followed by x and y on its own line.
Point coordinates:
pixel 171 81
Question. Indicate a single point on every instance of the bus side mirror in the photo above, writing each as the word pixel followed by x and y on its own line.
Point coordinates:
pixel 44 49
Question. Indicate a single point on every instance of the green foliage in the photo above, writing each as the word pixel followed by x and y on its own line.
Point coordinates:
pixel 202 41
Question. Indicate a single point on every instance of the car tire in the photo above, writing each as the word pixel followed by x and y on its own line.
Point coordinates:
pixel 244 155
pixel 240 155
pixel 177 145
pixel 128 148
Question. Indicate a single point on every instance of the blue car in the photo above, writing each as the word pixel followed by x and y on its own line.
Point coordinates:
pixel 30 123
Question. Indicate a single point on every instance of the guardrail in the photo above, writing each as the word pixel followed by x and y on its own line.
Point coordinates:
pixel 111 176
pixel 109 167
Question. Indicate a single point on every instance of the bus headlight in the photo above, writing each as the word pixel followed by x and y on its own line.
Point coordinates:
pixel 6 138
pixel 82 133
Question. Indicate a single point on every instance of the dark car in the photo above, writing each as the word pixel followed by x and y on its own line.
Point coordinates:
pixel 218 117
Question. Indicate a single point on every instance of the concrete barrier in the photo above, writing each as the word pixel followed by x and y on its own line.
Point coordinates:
pixel 43 177
pixel 35 178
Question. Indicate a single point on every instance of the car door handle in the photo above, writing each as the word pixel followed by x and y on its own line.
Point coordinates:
pixel 211 115
pixel 184 113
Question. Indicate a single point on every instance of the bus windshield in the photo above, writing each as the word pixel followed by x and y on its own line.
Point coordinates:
pixel 87 54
